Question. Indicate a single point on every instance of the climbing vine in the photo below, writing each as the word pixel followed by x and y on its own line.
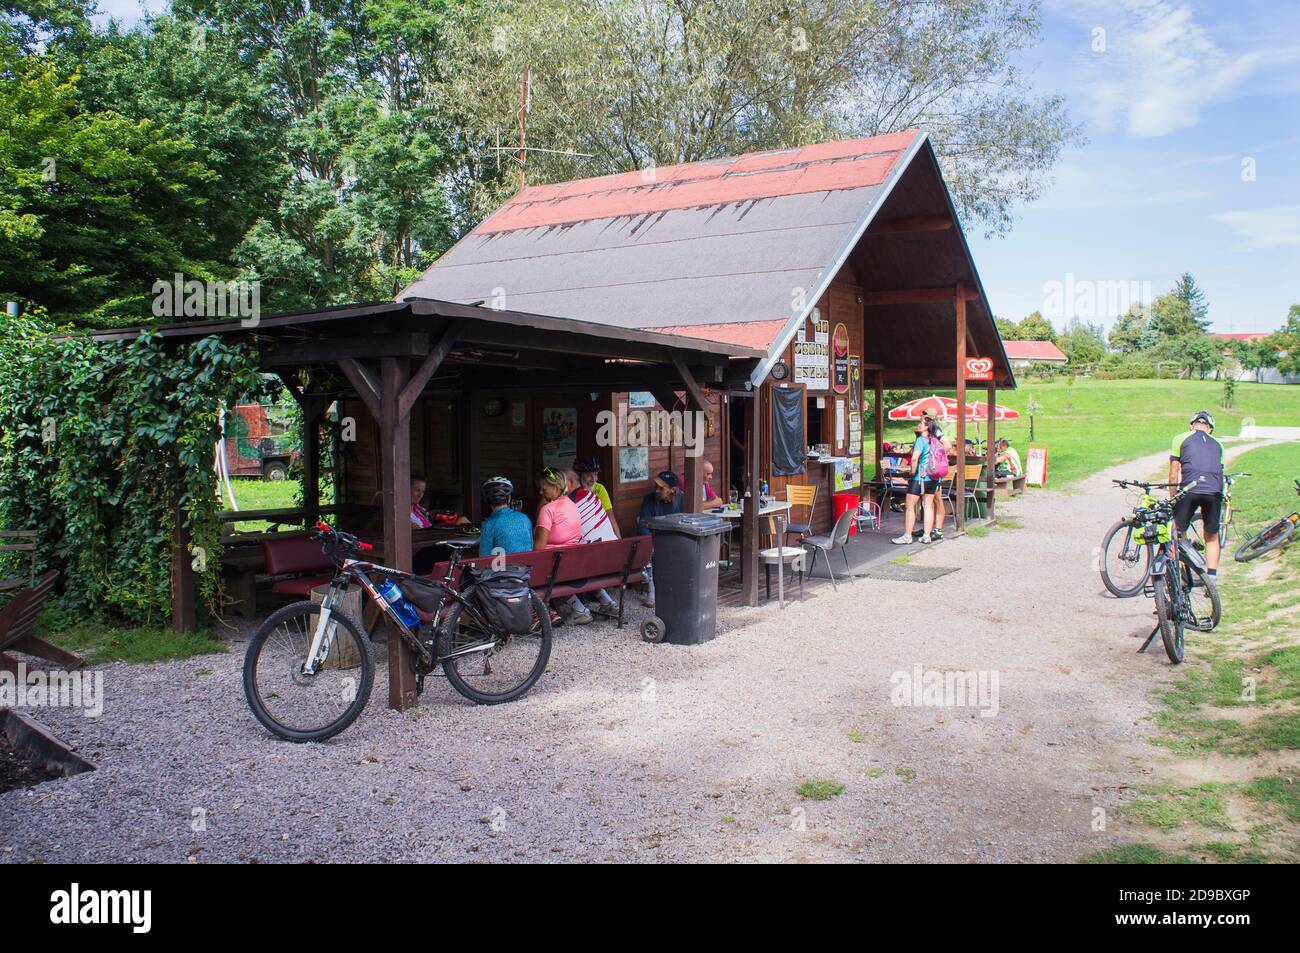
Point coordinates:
pixel 102 444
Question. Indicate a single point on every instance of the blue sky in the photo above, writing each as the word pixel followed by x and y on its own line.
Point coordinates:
pixel 1179 97
pixel 1175 97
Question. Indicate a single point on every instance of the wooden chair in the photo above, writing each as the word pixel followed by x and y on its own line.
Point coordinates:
pixel 18 628
pixel 26 543
pixel 977 495
pixel 799 494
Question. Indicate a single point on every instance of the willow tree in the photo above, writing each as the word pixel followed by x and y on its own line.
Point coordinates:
pixel 635 83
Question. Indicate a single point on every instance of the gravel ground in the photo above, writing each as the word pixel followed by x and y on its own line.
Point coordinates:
pixel 632 752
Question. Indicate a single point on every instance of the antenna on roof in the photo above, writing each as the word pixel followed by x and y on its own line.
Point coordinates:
pixel 520 152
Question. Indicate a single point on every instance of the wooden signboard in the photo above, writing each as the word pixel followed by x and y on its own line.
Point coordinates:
pixel 1036 467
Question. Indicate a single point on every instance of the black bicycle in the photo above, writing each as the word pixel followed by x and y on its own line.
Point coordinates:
pixel 1185 594
pixel 1275 535
pixel 1125 561
pixel 308 672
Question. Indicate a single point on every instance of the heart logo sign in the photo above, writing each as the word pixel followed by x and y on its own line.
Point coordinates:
pixel 979 369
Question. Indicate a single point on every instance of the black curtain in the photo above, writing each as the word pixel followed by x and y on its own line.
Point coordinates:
pixel 788 446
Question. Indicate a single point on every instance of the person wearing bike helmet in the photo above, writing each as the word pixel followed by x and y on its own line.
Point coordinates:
pixel 504 529
pixel 1197 457
pixel 588 470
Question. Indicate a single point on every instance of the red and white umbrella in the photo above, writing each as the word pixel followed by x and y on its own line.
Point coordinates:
pixel 940 408
pixel 980 411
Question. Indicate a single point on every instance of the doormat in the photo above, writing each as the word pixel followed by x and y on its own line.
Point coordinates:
pixel 904 573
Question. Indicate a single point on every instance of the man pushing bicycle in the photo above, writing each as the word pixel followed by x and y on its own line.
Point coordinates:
pixel 1196 456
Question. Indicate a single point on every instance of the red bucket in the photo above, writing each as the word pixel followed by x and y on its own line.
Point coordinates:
pixel 843 502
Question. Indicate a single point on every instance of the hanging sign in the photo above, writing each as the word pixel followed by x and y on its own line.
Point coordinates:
pixel 840 359
pixel 979 369
pixel 1036 466
pixel 812 358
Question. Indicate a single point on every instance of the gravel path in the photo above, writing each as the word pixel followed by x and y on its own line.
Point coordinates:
pixel 633 752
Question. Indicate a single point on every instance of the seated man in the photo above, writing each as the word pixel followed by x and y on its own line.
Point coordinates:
pixel 1008 461
pixel 504 530
pixel 664 500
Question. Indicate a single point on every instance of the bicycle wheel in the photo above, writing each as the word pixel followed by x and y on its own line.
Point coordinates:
pixel 1168 597
pixel 1125 561
pixel 300 707
pixel 1267 541
pixel 490 671
pixel 1203 596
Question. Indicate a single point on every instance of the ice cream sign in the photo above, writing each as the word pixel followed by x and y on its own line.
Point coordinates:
pixel 979 369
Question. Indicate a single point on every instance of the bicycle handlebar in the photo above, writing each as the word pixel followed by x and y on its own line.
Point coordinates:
pixel 336 541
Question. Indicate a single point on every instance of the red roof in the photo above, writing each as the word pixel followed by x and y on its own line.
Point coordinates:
pixel 759 334
pixel 1033 351
pixel 1241 336
pixel 827 166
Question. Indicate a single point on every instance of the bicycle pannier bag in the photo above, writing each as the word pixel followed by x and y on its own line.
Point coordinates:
pixel 938 464
pixel 424 594
pixel 505 597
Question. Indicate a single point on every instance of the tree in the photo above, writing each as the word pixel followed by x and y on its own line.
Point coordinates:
pixel 1083 343
pixel 641 83
pixel 1286 343
pixel 1126 336
pixel 1186 290
pixel 94 207
pixel 1035 327
pixel 1194 352
pixel 1007 329
pixel 1256 355
pixel 1182 310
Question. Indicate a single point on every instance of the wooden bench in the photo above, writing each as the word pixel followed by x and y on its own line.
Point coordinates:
pixel 1012 485
pixel 25 543
pixel 299 559
pixel 18 628
pixel 584 567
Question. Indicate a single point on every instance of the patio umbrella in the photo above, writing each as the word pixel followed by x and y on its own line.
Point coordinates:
pixel 941 408
pixel 980 411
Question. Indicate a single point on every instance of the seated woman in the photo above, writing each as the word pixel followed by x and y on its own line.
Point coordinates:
pixel 559 524
pixel 505 530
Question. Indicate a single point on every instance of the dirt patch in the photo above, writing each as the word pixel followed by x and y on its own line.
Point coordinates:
pixel 17 770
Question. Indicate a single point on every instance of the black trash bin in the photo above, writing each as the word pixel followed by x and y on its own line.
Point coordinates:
pixel 685 570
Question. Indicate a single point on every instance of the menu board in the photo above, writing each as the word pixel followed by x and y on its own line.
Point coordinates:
pixel 1036 467
pixel 812 357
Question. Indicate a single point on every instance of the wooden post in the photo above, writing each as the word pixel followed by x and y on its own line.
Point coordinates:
pixel 311 462
pixel 694 469
pixel 749 521
pixel 184 611
pixel 959 482
pixel 879 410
pixel 471 444
pixel 991 456
pixel 395 450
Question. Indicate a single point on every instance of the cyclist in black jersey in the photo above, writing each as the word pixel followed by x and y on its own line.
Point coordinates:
pixel 1197 457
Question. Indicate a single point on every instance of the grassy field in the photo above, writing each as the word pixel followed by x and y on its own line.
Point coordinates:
pixel 253 494
pixel 1234 710
pixel 1089 425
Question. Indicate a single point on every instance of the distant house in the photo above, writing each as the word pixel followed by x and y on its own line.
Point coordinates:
pixel 1269 375
pixel 1024 353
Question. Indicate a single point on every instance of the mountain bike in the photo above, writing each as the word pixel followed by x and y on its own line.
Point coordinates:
pixel 308 672
pixel 1225 513
pixel 1185 594
pixel 1269 539
pixel 1125 556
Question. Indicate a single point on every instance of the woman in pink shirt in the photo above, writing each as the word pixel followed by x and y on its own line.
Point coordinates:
pixel 559 524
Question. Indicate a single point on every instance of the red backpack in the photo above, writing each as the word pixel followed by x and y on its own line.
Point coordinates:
pixel 937 466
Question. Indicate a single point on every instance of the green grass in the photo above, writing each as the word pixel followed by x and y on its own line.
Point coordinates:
pixel 873 772
pixel 819 789
pixel 906 775
pixel 1136 854
pixel 98 643
pixel 1279 790
pixel 1090 425
pixel 977 531
pixel 255 494
pixel 1170 807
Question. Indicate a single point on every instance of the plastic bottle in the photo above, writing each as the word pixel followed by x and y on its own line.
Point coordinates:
pixel 401 605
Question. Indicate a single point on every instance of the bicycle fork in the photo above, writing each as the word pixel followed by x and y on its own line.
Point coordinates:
pixel 323 638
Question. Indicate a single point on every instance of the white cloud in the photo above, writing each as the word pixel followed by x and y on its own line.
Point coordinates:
pixel 1160 67
pixel 1264 228
pixel 126 12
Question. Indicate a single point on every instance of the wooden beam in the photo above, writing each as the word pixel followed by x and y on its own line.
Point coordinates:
pixel 395 454
pixel 959 484
pixel 688 381
pixel 918 296
pixel 472 455
pixel 184 609
pixel 364 383
pixel 432 361
pixel 912 223
pixel 991 454
pixel 878 409
pixel 329 350
pixel 749 520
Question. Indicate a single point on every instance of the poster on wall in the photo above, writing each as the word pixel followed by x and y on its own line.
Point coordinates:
pixel 640 398
pixel 840 359
pixel 841 425
pixel 633 464
pixel 812 358
pixel 559 436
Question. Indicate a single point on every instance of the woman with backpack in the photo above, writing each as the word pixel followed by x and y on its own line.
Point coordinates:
pixel 929 458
